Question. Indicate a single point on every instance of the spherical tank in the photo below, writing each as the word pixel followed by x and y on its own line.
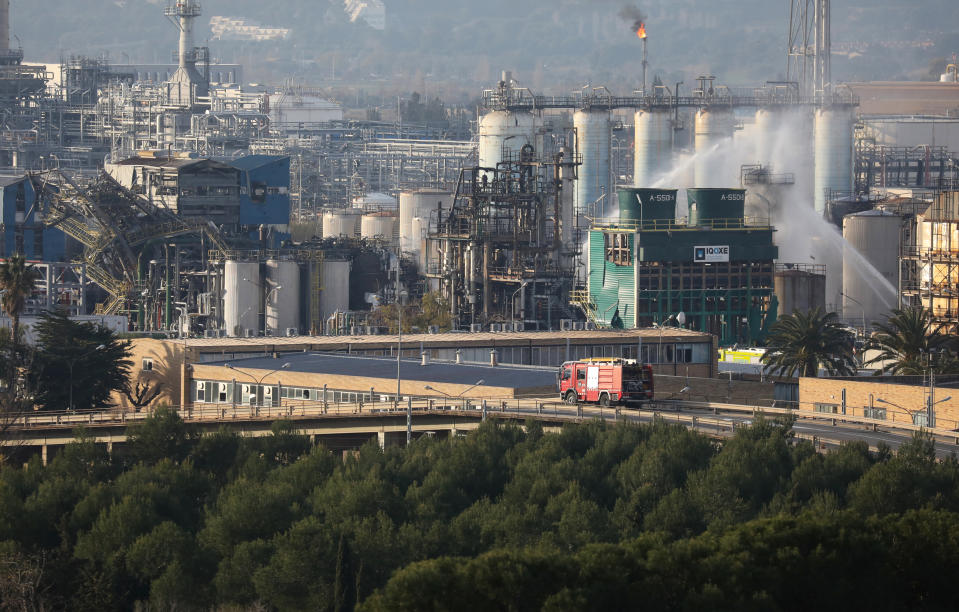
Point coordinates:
pixel 335 296
pixel 716 206
pixel 381 225
pixel 593 145
pixel 501 131
pixel 875 234
pixel 282 296
pixel 653 207
pixel 343 222
pixel 834 143
pixel 713 126
pixel 654 146
pixel 420 203
pixel 241 298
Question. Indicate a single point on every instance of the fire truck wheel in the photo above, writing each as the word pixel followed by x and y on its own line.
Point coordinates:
pixel 604 400
pixel 570 397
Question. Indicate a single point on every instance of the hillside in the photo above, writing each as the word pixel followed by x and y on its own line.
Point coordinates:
pixel 461 44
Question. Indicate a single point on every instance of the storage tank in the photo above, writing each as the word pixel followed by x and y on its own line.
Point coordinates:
pixel 501 131
pixel 653 151
pixel 652 207
pixel 593 136
pixel 378 225
pixel 335 294
pixel 420 203
pixel 875 234
pixel 721 206
pixel 713 126
pixel 242 297
pixel 834 144
pixel 282 296
pixel 417 241
pixel 799 290
pixel 342 222
pixel 375 201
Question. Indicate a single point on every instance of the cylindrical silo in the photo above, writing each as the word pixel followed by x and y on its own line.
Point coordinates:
pixel 422 203
pixel 650 208
pixel 709 206
pixel 713 126
pixel 282 296
pixel 504 132
pixel 653 150
pixel 875 236
pixel 241 298
pixel 379 225
pixel 418 242
pixel 341 222
pixel 834 144
pixel 593 134
pixel 769 122
pixel 335 294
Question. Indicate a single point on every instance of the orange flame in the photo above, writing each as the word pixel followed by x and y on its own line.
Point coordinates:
pixel 641 32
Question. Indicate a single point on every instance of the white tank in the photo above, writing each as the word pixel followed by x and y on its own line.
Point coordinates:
pixel 593 144
pixel 421 203
pixel 654 146
pixel 418 239
pixel 501 131
pixel 335 296
pixel 282 296
pixel 381 225
pixel 834 143
pixel 341 222
pixel 876 235
pixel 241 298
pixel 375 201
pixel 713 126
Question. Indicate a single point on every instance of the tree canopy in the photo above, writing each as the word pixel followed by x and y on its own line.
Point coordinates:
pixel 598 516
pixel 803 342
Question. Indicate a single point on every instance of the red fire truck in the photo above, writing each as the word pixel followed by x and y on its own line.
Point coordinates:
pixel 605 381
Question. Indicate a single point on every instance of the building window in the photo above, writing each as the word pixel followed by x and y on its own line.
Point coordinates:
pixel 147 365
pixel 826 408
pixel 874 413
pixel 920 419
pixel 618 250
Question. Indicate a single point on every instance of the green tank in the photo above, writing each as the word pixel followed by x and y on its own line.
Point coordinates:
pixel 715 206
pixel 651 206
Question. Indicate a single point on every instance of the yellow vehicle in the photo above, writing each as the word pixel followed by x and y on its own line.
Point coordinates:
pixel 741 355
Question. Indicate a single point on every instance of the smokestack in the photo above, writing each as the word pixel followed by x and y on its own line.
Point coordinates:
pixel 4 25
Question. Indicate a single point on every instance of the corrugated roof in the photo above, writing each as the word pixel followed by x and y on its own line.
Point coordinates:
pixel 377 367
pixel 251 162
pixel 453 338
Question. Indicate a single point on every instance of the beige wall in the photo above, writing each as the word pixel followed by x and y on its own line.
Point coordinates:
pixel 904 400
pixel 359 384
pixel 167 360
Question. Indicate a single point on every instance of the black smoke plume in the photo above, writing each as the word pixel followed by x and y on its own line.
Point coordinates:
pixel 632 14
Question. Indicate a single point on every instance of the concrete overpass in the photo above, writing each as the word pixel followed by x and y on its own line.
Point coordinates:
pixel 344 427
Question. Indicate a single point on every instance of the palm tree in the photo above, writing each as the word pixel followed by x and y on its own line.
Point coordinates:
pixel 803 342
pixel 904 339
pixel 17 280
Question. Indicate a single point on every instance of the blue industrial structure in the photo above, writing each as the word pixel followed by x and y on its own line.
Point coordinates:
pixel 264 189
pixel 20 229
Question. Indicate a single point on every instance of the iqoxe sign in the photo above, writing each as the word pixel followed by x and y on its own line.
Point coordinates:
pixel 706 254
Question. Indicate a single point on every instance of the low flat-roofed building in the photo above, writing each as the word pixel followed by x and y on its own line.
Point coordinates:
pixel 311 378
pixel 671 351
pixel 897 399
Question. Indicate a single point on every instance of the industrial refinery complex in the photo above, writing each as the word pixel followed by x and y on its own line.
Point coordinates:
pixel 173 200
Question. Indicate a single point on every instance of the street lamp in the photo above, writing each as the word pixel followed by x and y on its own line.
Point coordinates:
pixel 460 394
pixel 659 348
pixel 73 362
pixel 862 309
pixel 258 380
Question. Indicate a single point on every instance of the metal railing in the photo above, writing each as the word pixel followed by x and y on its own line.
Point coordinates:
pixel 696 414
